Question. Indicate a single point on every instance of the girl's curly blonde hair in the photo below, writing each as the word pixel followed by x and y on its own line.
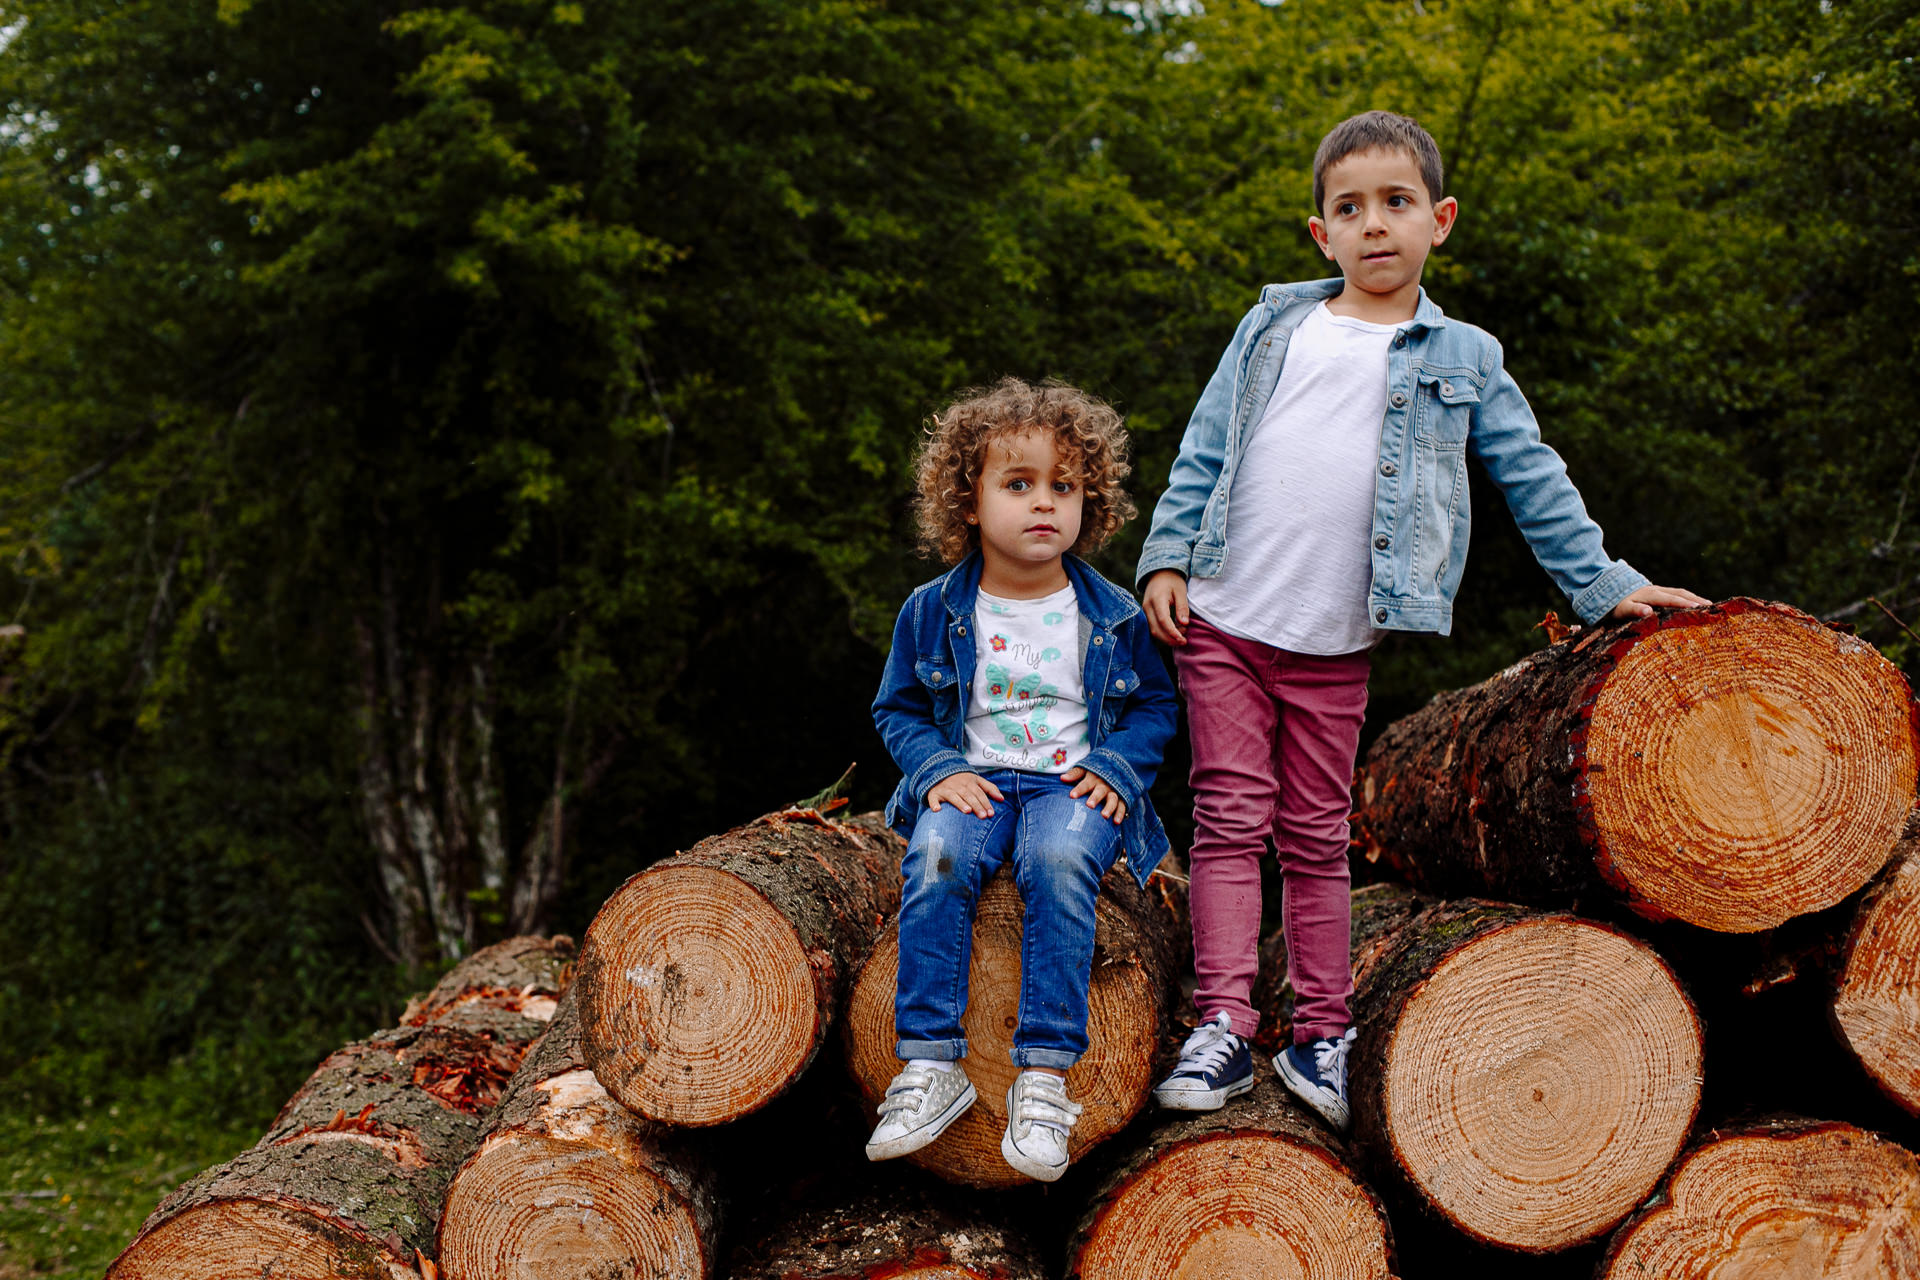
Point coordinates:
pixel 1086 430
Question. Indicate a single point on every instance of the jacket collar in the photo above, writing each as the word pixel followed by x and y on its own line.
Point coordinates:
pixel 1426 315
pixel 1101 603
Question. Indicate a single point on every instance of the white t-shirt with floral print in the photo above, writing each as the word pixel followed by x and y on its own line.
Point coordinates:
pixel 1027 708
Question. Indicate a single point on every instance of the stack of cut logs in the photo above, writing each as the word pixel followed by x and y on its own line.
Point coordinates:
pixel 1629 876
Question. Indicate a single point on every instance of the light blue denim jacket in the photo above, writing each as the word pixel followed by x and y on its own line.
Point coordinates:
pixel 1448 399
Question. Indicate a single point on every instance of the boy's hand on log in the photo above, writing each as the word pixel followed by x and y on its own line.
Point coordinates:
pixel 1165 601
pixel 1099 795
pixel 1643 602
pixel 967 792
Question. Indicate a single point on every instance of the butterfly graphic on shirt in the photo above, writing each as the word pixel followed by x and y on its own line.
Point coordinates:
pixel 1029 697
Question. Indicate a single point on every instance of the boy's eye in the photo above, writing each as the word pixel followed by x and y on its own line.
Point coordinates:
pixel 1399 202
pixel 1346 208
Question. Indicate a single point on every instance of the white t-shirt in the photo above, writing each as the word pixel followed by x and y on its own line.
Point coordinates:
pixel 1027 708
pixel 1301 507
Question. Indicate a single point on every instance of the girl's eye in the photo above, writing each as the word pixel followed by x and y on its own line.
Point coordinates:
pixel 1018 486
pixel 1063 486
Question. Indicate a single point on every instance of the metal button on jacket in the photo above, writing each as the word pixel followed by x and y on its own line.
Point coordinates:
pixel 1399 399
pixel 1446 388
pixel 1387 468
pixel 1381 542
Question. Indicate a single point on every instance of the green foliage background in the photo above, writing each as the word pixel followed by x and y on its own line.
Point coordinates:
pixel 598 335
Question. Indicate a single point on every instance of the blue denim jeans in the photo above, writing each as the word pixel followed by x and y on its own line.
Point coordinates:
pixel 1060 850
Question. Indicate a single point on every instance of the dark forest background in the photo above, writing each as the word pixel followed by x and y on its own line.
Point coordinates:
pixel 451 457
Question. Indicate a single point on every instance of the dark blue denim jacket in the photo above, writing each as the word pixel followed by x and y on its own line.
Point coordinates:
pixel 1131 705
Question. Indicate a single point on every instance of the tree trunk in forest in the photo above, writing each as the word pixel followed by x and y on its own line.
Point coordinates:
pixel 709 981
pixel 1524 1077
pixel 569 1183
pixel 1732 767
pixel 1142 944
pixel 1255 1191
pixel 1796 1199
pixel 430 789
pixel 1876 1001
pixel 898 1234
pixel 348 1181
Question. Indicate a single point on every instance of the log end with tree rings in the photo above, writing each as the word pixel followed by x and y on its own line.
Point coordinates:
pixel 590 1195
pixel 697 998
pixel 1876 1002
pixel 1126 1002
pixel 1745 764
pixel 247 1239
pixel 1536 1082
pixel 1255 1191
pixel 1794 1200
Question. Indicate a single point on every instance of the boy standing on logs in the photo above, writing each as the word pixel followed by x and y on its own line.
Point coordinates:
pixel 1028 709
pixel 1329 452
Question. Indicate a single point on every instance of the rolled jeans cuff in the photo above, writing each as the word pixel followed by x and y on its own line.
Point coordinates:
pixel 936 1050
pixel 1057 1058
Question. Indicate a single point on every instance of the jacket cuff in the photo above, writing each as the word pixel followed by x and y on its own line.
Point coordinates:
pixel 1154 559
pixel 1608 590
pixel 943 764
pixel 1115 772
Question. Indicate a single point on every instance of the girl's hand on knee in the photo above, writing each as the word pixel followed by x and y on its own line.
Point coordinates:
pixel 1099 795
pixel 967 792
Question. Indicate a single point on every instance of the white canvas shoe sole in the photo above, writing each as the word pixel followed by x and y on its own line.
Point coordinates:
pixel 1201 1099
pixel 1324 1101
pixel 1021 1161
pixel 914 1139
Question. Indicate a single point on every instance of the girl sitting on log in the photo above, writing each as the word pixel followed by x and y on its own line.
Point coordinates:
pixel 1027 709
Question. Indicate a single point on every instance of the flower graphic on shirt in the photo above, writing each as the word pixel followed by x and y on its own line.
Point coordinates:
pixel 1059 756
pixel 999 644
pixel 1053 619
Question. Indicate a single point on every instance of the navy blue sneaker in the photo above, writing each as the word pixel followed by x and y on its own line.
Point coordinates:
pixel 1317 1074
pixel 1214 1066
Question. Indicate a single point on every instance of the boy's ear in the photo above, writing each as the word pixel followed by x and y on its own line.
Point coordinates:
pixel 1444 214
pixel 1318 230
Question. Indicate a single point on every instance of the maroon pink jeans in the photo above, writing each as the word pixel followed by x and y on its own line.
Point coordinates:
pixel 1274 735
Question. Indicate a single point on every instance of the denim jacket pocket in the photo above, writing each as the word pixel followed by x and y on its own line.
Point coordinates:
pixel 1121 681
pixel 1445 408
pixel 943 688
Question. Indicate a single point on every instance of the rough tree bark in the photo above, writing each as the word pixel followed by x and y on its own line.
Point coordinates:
pixel 1876 1000
pixel 349 1180
pixel 1256 1190
pixel 1524 1077
pixel 1798 1199
pixel 1732 767
pixel 569 1183
pixel 1142 944
pixel 709 981
pixel 895 1234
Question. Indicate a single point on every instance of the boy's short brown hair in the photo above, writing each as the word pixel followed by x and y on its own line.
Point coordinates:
pixel 1375 131
pixel 1086 430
